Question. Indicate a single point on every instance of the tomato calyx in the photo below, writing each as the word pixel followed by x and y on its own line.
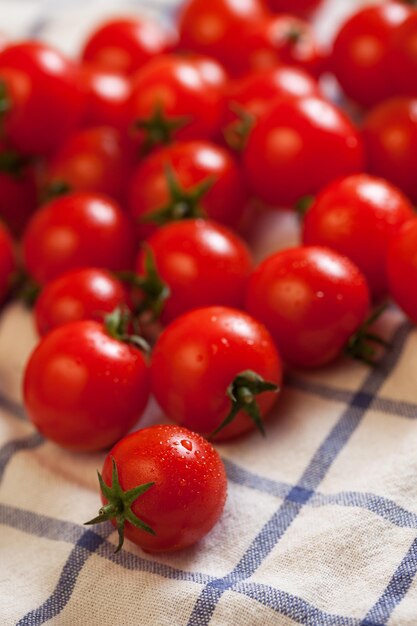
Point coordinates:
pixel 242 392
pixel 119 505
pixel 183 203
pixel 154 289
pixel 158 128
pixel 55 189
pixel 237 133
pixel 5 101
pixel 360 345
pixel 302 205
pixel 13 163
pixel 116 325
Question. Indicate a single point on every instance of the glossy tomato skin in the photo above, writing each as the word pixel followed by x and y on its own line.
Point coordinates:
pixel 402 269
pixel 177 88
pixel 7 261
pixel 83 389
pixel 403 58
pixel 311 299
pixel 97 160
pixel 198 356
pixel 358 216
pixel 124 45
pixel 361 52
pixel 46 100
pixel 189 490
pixel 300 145
pixel 107 95
pixel 85 294
pixel 74 231
pixel 203 264
pixel 192 164
pixel 221 29
pixel 390 139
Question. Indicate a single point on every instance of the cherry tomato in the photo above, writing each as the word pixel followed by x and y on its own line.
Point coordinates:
pixel 200 262
pixel 74 231
pixel 284 39
pixel 390 138
pixel 41 99
pixel 361 52
pixel 358 216
pixel 311 299
pixel 84 294
pixel 107 95
pixel 402 269
pixel 248 98
pixel 298 146
pixel 220 29
pixel 96 159
pixel 172 97
pixel 297 7
pixel 7 261
pixel 125 44
pixel 403 57
pixel 188 179
pixel 206 367
pixel 84 388
pixel 180 483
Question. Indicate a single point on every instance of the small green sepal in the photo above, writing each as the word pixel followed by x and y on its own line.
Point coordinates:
pixel 119 505
pixel 360 345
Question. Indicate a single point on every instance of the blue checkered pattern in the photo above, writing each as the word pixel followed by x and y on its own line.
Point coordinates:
pixel 281 492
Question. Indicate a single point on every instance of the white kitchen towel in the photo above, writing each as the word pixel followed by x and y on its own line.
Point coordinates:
pixel 320 525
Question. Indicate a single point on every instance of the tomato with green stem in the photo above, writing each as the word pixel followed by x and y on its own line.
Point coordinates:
pixel 163 488
pixel 187 180
pixel 215 370
pixel 191 264
pixel 86 384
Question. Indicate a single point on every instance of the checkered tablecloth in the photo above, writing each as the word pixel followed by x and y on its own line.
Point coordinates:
pixel 320 526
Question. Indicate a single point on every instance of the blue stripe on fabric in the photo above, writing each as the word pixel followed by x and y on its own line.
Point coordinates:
pixel 316 470
pixel 91 542
pixel 88 543
pixel 395 591
pixel 383 405
pixel 12 447
pixel 12 407
pixel 379 505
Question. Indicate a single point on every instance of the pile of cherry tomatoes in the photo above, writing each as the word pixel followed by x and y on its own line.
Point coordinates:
pixel 128 179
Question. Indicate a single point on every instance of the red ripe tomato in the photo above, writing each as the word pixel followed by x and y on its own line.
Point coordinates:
pixel 248 98
pixel 41 99
pixel 125 44
pixel 358 216
pixel 85 294
pixel 190 179
pixel 284 39
pixel 390 138
pixel 312 300
pixel 361 52
pixel 18 191
pixel 97 160
pixel 220 29
pixel 74 231
pixel 107 95
pixel 299 146
pixel 206 366
pixel 297 7
pixel 84 388
pixel 7 261
pixel 402 269
pixel 177 486
pixel 173 97
pixel 200 262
